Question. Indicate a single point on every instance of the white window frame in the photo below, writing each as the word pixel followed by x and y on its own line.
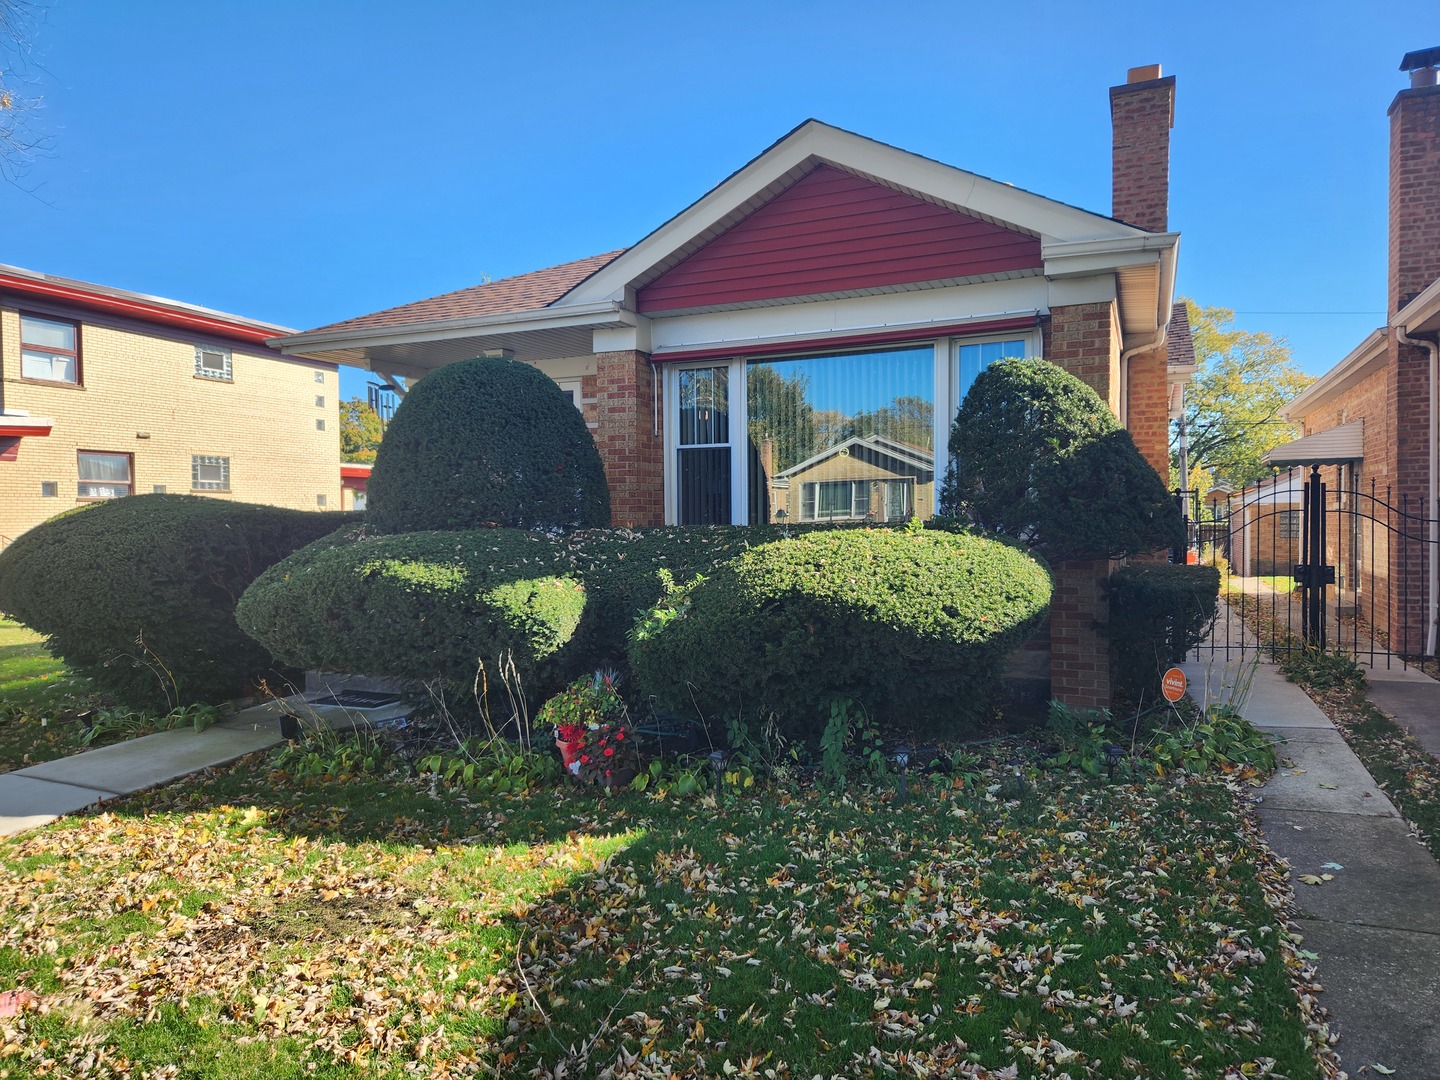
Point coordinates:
pixel 226 373
pixel 739 490
pixel 576 389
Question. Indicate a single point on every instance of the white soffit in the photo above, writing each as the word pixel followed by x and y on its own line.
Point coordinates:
pixel 1330 447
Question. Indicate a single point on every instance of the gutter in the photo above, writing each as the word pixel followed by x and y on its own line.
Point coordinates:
pixel 1433 508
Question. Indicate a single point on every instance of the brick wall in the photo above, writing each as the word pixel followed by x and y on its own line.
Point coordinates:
pixel 1084 339
pixel 140 396
pixel 1141 115
pixel 628 436
pixel 1147 407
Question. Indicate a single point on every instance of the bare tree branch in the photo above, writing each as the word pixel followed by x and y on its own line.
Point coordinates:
pixel 20 140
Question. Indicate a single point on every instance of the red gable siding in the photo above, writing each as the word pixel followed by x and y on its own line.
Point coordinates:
pixel 832 232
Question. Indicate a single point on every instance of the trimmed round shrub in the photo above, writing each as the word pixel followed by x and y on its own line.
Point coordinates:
pixel 1037 456
pixel 487 442
pixel 914 626
pixel 422 605
pixel 139 594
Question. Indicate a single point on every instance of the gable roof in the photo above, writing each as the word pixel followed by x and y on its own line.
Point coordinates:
pixel 917 457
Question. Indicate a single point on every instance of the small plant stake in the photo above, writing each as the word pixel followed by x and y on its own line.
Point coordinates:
pixel 902 759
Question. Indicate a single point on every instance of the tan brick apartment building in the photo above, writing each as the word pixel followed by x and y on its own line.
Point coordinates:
pixel 106 393
pixel 1371 419
pixel 833 297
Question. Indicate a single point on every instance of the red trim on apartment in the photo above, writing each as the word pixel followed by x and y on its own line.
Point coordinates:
pixel 354 472
pixel 929 333
pixel 136 308
pixel 20 431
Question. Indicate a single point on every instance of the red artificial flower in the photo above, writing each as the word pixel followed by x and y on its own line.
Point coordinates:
pixel 585 759
pixel 619 734
pixel 609 750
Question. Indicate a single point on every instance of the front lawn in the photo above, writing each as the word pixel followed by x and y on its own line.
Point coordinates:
pixel 34 689
pixel 248 924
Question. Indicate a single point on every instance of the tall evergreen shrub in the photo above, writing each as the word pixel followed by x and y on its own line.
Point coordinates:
pixel 1037 456
pixel 483 443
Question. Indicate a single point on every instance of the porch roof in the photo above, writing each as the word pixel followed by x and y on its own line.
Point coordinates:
pixel 1334 446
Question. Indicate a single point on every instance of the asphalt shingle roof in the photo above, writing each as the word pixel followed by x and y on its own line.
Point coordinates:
pixel 523 292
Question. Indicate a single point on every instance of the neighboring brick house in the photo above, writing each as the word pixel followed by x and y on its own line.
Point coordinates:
pixel 106 393
pixel 1371 419
pixel 833 291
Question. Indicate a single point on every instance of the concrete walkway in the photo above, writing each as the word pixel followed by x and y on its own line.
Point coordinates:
pixel 1376 924
pixel 41 793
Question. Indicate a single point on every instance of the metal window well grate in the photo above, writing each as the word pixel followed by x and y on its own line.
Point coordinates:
pixel 357 699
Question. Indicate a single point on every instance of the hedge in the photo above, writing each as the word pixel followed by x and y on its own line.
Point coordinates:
pixel 422 605
pixel 487 442
pixel 1158 614
pixel 137 592
pixel 914 626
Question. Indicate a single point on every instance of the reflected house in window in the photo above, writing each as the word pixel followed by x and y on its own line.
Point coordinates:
pixel 861 479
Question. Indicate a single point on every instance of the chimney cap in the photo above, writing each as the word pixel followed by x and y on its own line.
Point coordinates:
pixel 1421 58
pixel 1142 74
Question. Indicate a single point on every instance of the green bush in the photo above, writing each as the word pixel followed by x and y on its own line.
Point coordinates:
pixel 484 443
pixel 1037 456
pixel 139 594
pixel 422 605
pixel 911 626
pixel 1158 614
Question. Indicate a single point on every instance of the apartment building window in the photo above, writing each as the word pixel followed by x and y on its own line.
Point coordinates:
pixel 209 473
pixel 319 425
pixel 49 350
pixel 319 401
pixel 212 362
pixel 49 489
pixel 320 376
pixel 105 476
pixel 322 500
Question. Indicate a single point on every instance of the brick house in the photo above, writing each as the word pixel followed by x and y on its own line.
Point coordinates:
pixel 832 297
pixel 106 393
pixel 1371 419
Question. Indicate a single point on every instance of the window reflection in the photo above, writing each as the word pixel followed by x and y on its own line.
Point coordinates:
pixel 842 438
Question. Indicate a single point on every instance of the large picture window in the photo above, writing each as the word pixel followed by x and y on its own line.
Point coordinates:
pixel 49 350
pixel 843 436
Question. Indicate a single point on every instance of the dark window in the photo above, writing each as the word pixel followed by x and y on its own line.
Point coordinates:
pixel 49 350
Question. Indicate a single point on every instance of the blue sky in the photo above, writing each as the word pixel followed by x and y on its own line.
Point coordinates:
pixel 307 161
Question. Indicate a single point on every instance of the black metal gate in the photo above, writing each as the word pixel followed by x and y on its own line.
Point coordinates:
pixel 1313 558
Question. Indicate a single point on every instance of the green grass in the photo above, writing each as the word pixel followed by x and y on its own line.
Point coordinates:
pixel 1282 584
pixel 34 689
pixel 248 924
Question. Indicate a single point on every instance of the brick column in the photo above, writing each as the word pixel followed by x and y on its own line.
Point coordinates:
pixel 628 437
pixel 1147 408
pixel 1079 650
pixel 1414 264
pixel 1084 339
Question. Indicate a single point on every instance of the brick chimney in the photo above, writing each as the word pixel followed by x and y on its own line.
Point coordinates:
pixel 1415 180
pixel 1142 112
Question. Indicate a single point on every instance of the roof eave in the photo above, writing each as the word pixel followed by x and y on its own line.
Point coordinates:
pixel 602 314
pixel 1360 362
pixel 1421 315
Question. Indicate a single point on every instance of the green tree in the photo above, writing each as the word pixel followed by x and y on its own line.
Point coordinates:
pixel 780 412
pixel 1232 408
pixel 360 431
pixel 908 419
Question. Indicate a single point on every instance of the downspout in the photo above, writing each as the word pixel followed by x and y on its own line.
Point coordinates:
pixel 1434 489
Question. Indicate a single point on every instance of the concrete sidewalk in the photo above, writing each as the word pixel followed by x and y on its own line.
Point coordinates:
pixel 39 794
pixel 1376 924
